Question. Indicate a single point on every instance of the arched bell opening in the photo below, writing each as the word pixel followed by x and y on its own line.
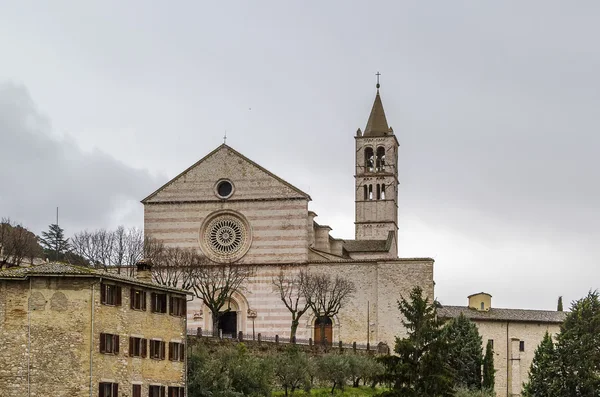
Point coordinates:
pixel 380 161
pixel 369 160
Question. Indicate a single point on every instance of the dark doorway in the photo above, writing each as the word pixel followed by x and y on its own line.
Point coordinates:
pixel 326 321
pixel 228 324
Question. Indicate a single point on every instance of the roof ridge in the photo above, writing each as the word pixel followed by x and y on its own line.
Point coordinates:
pixel 225 146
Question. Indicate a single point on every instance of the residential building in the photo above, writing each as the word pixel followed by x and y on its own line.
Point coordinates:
pixel 74 331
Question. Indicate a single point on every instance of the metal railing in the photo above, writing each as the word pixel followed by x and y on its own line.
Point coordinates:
pixel 259 338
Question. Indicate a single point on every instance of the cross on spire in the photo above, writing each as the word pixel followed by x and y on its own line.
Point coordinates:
pixel 225 138
pixel 378 74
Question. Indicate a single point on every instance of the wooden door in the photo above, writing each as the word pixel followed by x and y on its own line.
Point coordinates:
pixel 328 330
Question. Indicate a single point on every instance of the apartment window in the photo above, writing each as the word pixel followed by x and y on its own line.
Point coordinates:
pixel 176 391
pixel 137 347
pixel 109 344
pixel 108 389
pixel 156 391
pixel 177 306
pixel 522 346
pixel 138 299
pixel 157 349
pixel 176 351
pixel 137 391
pixel 159 303
pixel 110 294
pixel 491 342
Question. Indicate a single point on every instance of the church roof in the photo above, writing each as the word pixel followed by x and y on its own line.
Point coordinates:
pixel 377 124
pixel 59 269
pixel 369 245
pixel 235 152
pixel 535 316
pixel 365 245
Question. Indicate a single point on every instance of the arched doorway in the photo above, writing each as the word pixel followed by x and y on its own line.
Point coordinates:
pixel 228 319
pixel 323 325
pixel 228 324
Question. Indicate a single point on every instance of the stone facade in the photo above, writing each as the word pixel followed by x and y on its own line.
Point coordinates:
pixel 255 205
pixel 515 334
pixel 51 321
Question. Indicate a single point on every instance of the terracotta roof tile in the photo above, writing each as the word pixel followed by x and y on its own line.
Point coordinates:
pixel 64 269
pixel 537 316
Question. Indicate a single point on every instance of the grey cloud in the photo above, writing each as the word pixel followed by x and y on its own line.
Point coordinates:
pixel 40 172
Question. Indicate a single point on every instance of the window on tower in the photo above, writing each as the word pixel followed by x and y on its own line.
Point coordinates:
pixel 383 191
pixel 369 160
pixel 380 158
pixel 378 191
pixel 370 192
pixel 366 190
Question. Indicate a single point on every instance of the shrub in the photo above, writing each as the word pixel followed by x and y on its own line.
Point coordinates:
pixel 334 368
pixel 292 370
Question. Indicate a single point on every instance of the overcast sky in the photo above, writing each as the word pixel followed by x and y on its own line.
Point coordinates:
pixel 495 104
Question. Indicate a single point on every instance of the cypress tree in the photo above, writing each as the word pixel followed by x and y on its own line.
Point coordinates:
pixel 488 367
pixel 577 350
pixel 560 305
pixel 422 368
pixel 465 354
pixel 542 372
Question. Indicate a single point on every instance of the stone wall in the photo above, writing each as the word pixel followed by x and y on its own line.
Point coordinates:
pixel 512 366
pixel 62 343
pixel 379 286
pixel 279 230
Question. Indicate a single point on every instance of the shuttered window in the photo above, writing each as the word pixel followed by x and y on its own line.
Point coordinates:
pixel 156 391
pixel 137 391
pixel 176 351
pixel 157 349
pixel 176 391
pixel 137 299
pixel 177 306
pixel 137 347
pixel 159 302
pixel 108 389
pixel 110 294
pixel 109 343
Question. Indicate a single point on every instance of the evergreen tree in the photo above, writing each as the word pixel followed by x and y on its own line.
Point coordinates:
pixel 488 367
pixel 542 372
pixel 577 349
pixel 464 352
pixel 54 243
pixel 421 369
pixel 560 305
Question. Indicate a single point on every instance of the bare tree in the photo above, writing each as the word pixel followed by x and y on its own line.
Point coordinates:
pixel 16 244
pixel 291 288
pixel 327 295
pixel 172 266
pixel 119 249
pixel 213 283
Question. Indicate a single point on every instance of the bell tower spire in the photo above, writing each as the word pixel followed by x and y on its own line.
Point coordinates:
pixel 376 177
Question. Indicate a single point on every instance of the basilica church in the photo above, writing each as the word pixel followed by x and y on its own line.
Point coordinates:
pixel 235 211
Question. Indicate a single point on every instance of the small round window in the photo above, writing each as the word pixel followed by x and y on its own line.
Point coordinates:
pixel 224 189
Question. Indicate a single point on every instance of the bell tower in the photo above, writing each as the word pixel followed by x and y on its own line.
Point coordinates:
pixel 376 177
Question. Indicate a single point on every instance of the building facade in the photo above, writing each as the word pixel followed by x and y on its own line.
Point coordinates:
pixel 73 331
pixel 514 334
pixel 232 210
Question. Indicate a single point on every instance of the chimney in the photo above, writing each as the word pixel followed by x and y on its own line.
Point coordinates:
pixel 144 270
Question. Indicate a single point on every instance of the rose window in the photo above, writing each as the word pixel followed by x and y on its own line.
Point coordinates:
pixel 225 237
